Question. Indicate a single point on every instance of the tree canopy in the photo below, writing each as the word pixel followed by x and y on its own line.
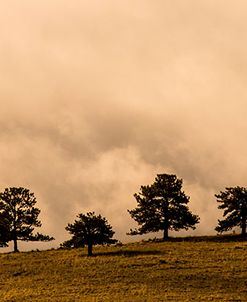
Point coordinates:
pixel 234 203
pixel 19 217
pixel 89 229
pixel 162 206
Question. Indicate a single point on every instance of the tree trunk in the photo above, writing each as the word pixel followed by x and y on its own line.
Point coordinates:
pixel 243 227
pixel 166 220
pixel 165 233
pixel 15 233
pixel 90 249
pixel 15 246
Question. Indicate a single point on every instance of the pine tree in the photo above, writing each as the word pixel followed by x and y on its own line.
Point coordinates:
pixel 234 203
pixel 19 217
pixel 90 230
pixel 162 206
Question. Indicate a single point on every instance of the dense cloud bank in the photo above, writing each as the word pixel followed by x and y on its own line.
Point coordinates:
pixel 97 97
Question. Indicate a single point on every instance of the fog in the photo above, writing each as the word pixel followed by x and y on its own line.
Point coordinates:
pixel 97 97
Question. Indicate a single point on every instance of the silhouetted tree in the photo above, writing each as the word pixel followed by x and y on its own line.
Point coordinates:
pixel 19 217
pixel 162 206
pixel 234 203
pixel 89 230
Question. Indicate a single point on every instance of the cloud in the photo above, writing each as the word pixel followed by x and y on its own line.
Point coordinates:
pixel 98 97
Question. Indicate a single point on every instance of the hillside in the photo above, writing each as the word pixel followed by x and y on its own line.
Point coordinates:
pixel 201 270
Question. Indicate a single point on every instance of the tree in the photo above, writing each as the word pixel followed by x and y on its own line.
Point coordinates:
pixel 162 206
pixel 234 203
pixel 89 230
pixel 19 217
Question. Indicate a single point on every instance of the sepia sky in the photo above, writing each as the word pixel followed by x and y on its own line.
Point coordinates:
pixel 97 97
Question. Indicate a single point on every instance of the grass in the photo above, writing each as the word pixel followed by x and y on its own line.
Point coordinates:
pixel 177 270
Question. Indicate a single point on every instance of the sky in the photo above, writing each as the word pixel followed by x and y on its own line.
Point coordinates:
pixel 98 97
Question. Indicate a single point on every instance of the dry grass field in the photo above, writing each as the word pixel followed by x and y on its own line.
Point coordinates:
pixel 189 270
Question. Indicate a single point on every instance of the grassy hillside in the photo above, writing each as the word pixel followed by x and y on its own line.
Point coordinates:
pixel 200 270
